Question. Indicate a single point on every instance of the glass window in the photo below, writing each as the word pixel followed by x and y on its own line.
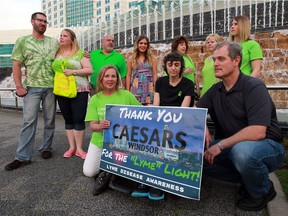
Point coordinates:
pixel 107 9
pixel 116 5
pixel 98 4
pixel 107 17
pixel 107 1
pixel 98 12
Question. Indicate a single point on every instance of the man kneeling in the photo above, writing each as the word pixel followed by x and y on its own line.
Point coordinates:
pixel 247 145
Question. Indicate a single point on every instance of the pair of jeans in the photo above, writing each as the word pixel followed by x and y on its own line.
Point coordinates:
pixel 248 163
pixel 31 107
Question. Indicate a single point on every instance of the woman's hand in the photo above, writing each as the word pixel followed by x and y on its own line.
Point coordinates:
pixel 188 71
pixel 68 72
pixel 104 124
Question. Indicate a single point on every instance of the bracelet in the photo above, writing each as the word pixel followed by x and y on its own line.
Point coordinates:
pixel 220 146
pixel 74 73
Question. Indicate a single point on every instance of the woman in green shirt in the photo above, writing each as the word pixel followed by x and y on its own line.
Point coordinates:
pixel 108 91
pixel 208 75
pixel 251 50
pixel 180 45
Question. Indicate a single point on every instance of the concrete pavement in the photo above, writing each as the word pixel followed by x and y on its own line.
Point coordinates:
pixel 58 187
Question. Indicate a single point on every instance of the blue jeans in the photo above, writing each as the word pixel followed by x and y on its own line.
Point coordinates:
pixel 248 163
pixel 31 106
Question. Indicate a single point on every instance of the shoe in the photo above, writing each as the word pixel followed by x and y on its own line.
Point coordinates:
pixel 16 164
pixel 69 153
pixel 242 192
pixel 156 194
pixel 101 182
pixel 46 154
pixel 256 204
pixel 140 191
pixel 82 155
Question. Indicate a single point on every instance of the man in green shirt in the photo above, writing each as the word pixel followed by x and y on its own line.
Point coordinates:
pixel 107 56
pixel 36 52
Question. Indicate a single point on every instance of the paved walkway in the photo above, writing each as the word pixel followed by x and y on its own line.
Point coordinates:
pixel 58 187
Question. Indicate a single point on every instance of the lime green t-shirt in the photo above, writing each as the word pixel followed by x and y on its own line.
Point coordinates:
pixel 208 75
pixel 188 62
pixel 97 107
pixel 37 57
pixel 251 50
pixel 99 59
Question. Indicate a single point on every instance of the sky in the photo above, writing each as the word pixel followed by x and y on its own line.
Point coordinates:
pixel 16 14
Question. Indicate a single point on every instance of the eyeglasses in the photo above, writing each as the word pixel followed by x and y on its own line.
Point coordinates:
pixel 41 20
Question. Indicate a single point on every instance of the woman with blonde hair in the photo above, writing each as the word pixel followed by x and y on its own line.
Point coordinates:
pixel 251 50
pixel 108 91
pixel 208 75
pixel 72 59
pixel 142 71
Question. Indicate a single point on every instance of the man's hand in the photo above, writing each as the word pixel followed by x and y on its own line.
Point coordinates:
pixel 21 91
pixel 211 153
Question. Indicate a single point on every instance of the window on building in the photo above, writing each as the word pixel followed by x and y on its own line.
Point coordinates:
pixel 98 12
pixel 107 1
pixel 116 5
pixel 98 4
pixel 133 4
pixel 107 17
pixel 55 8
pixel 61 5
pixel 55 15
pixel 107 9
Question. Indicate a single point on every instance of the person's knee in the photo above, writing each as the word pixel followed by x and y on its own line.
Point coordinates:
pixel 90 172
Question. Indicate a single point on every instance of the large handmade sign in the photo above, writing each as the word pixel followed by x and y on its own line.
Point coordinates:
pixel 158 146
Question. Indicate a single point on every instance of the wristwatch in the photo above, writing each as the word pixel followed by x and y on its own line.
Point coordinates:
pixel 74 73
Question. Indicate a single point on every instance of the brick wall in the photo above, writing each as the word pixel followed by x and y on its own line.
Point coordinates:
pixel 274 65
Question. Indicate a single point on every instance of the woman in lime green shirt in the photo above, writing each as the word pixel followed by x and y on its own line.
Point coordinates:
pixel 251 50
pixel 208 75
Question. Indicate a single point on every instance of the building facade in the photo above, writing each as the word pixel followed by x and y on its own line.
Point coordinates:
pixel 68 13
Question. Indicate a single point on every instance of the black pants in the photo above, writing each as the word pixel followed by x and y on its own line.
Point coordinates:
pixel 74 110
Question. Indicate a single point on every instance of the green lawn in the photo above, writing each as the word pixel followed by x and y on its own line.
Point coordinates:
pixel 282 173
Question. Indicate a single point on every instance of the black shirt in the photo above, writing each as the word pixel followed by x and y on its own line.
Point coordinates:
pixel 247 103
pixel 174 95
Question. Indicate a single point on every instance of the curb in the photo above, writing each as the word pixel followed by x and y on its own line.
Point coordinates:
pixel 279 205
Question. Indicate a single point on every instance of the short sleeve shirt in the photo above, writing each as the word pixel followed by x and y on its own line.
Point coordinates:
pixel 251 50
pixel 37 57
pixel 174 95
pixel 99 60
pixel 247 103
pixel 188 62
pixel 97 107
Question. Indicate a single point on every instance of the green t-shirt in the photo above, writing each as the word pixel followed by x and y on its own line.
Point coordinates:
pixel 96 109
pixel 208 75
pixel 99 59
pixel 188 62
pixel 37 57
pixel 251 50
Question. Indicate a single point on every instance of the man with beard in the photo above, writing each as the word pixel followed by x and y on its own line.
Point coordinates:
pixel 106 56
pixel 247 144
pixel 36 52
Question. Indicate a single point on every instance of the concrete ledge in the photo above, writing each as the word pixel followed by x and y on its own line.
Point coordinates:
pixel 279 205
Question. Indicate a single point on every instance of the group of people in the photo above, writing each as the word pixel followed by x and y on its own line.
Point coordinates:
pixel 247 142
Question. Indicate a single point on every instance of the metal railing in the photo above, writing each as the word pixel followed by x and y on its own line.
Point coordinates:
pixel 13 90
